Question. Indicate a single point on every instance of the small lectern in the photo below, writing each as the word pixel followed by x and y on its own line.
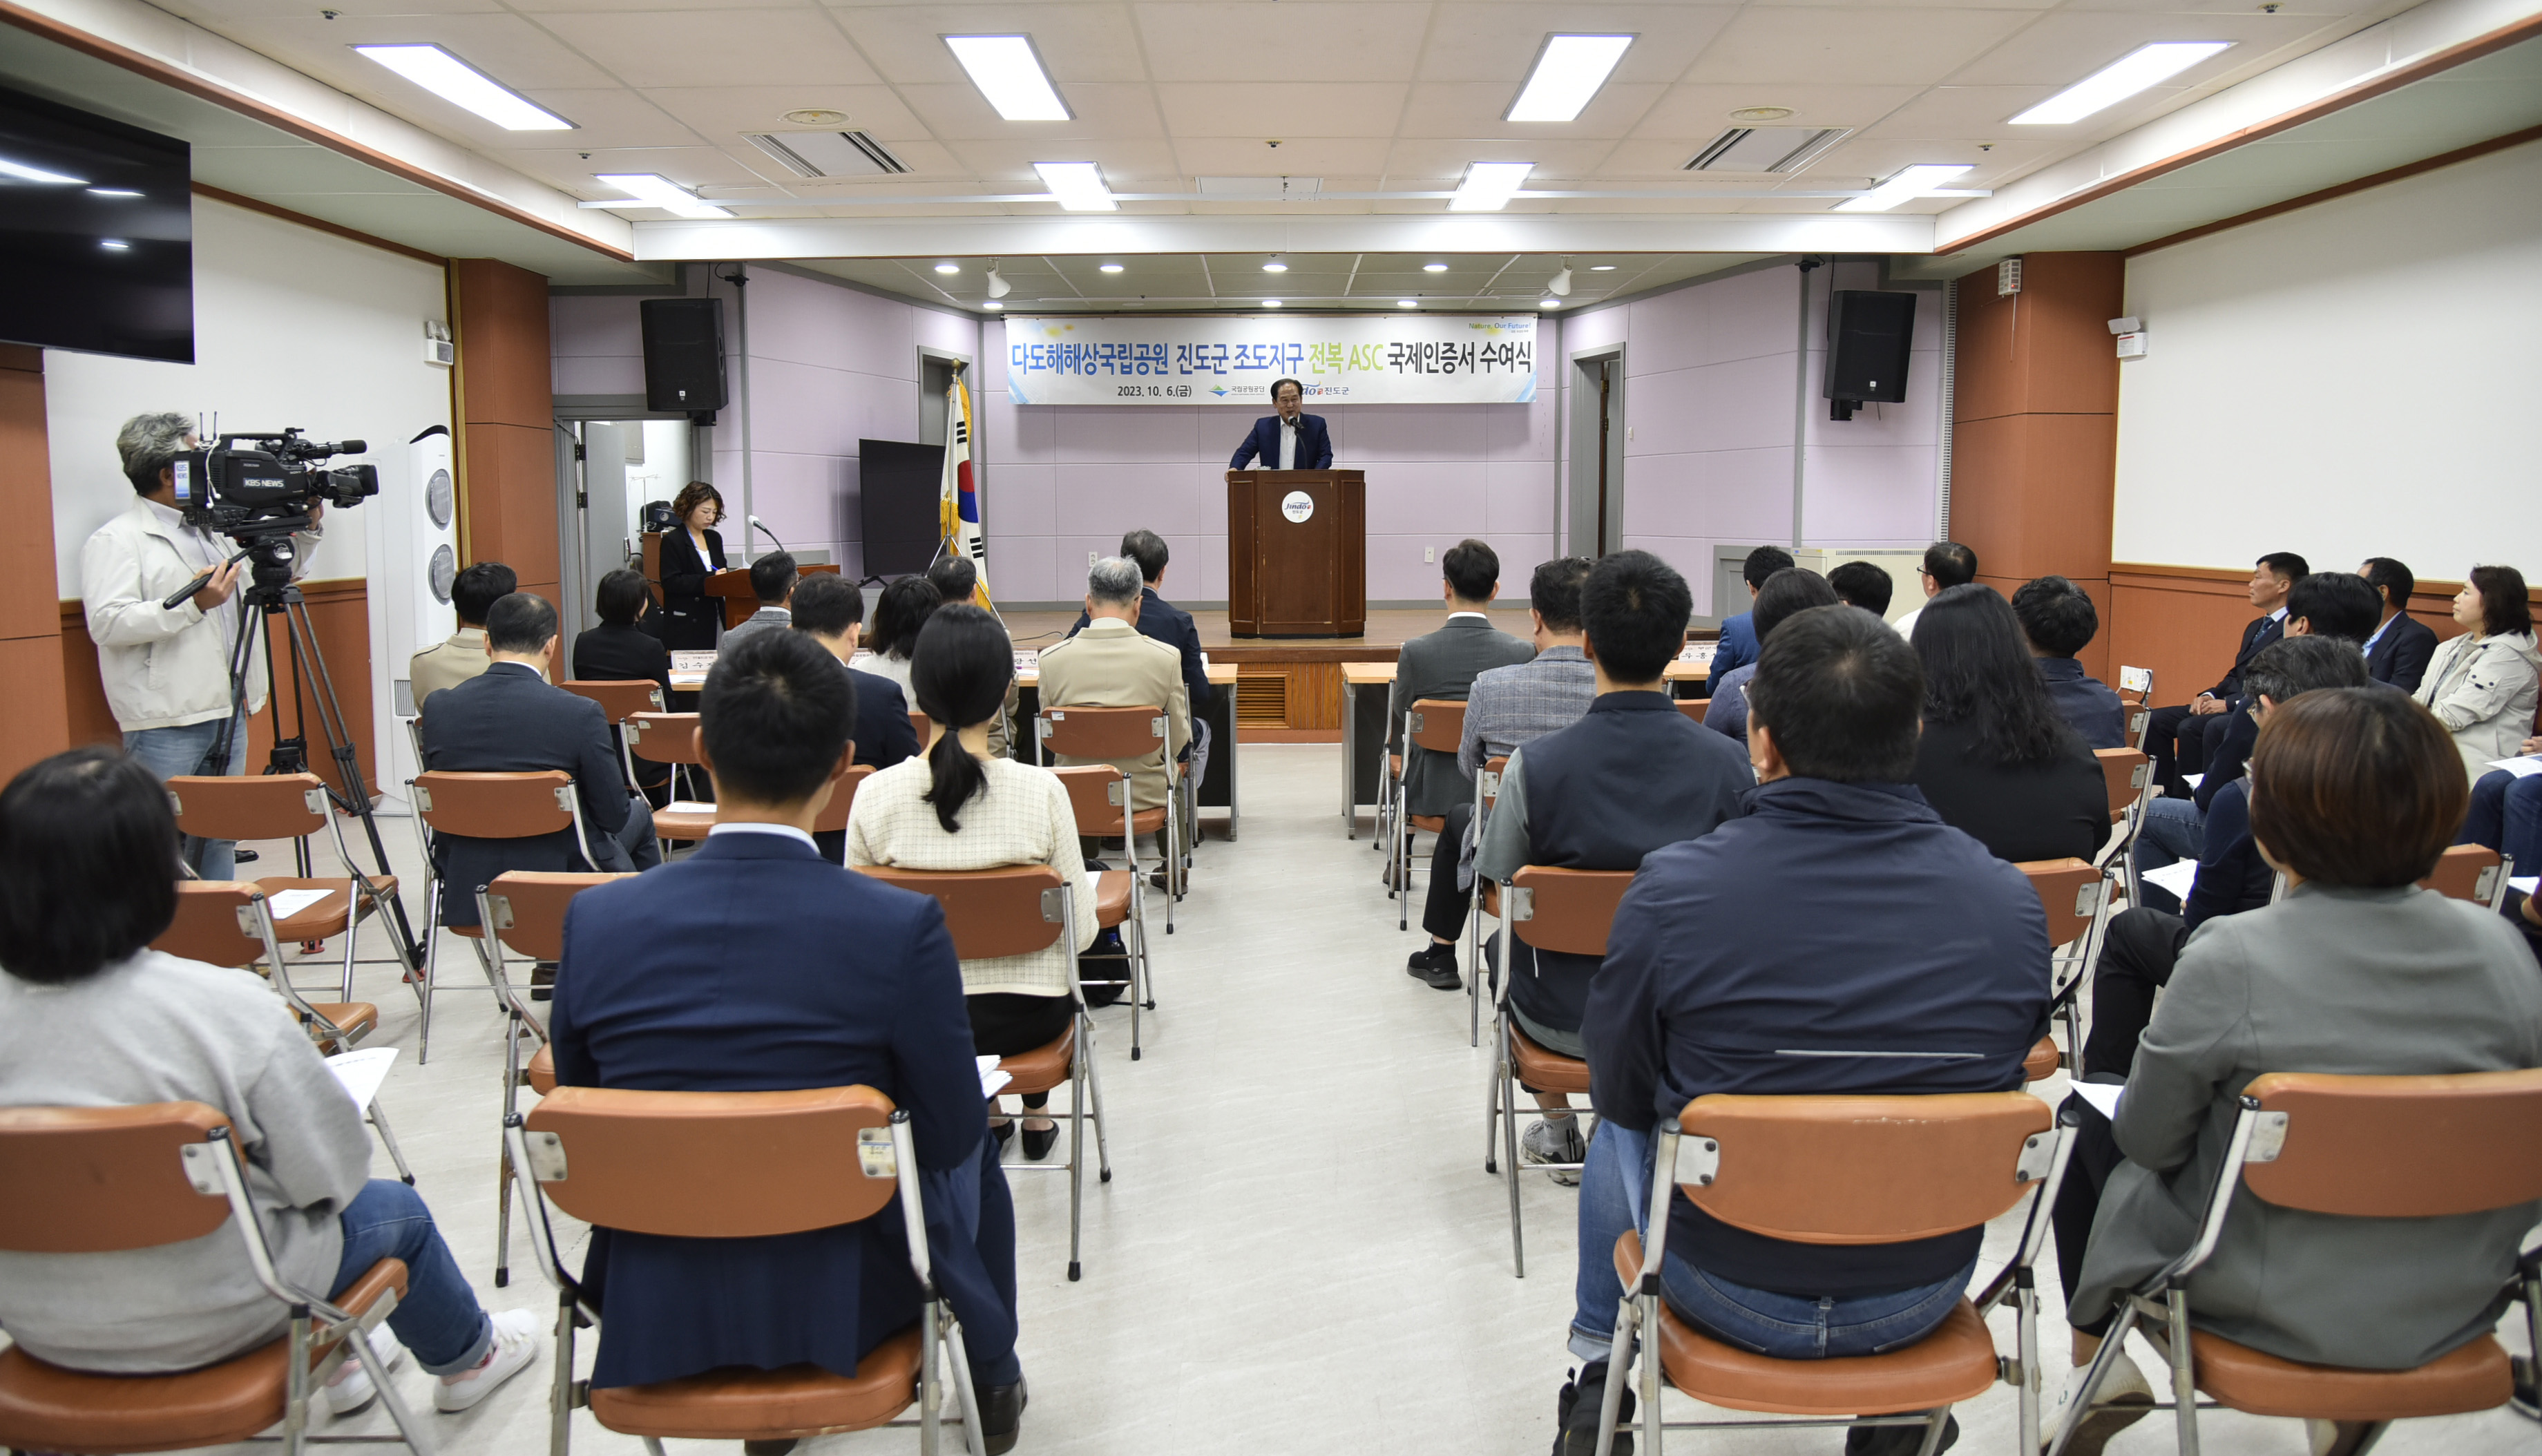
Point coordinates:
pixel 1297 553
pixel 740 599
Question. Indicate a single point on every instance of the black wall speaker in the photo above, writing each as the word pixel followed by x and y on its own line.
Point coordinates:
pixel 684 355
pixel 1869 335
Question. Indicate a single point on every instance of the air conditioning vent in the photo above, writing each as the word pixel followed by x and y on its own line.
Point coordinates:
pixel 1767 148
pixel 828 154
pixel 1262 700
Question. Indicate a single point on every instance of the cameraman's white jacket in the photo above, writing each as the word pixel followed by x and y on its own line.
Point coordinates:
pixel 163 667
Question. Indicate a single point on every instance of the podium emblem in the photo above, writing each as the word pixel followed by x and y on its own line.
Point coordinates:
pixel 1298 506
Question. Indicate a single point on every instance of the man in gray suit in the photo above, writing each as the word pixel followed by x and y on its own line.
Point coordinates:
pixel 1444 663
pixel 772 581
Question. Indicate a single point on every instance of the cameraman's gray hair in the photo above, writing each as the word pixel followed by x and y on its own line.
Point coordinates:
pixel 1113 581
pixel 147 443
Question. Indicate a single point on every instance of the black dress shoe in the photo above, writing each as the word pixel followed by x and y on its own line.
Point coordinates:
pixel 768 1448
pixel 1435 966
pixel 543 982
pixel 1037 1142
pixel 1001 1416
pixel 243 856
pixel 1577 1410
pixel 1898 1440
pixel 1002 1129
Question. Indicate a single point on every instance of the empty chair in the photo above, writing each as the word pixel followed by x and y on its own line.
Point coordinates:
pixel 1122 734
pixel 482 806
pixel 2472 872
pixel 1098 794
pixel 621 700
pixel 293 805
pixel 671 738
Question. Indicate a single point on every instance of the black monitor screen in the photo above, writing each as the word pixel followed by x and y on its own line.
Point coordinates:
pixel 899 485
pixel 95 234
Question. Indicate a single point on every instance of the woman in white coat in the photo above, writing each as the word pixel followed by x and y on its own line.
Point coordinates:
pixel 2481 683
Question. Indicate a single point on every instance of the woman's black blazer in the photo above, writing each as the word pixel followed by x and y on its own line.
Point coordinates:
pixel 690 618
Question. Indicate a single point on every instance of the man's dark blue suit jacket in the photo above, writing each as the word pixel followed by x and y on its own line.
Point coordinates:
pixel 508 720
pixel 1315 445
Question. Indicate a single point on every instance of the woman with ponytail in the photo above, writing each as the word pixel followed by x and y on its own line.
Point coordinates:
pixel 959 807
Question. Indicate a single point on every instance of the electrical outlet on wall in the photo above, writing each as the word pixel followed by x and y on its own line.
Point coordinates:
pixel 1091 559
pixel 1429 554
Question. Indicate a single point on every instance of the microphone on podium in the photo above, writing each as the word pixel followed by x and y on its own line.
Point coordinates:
pixel 762 527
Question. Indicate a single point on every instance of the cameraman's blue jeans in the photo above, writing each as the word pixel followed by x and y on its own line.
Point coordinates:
pixel 171 753
pixel 1614 1195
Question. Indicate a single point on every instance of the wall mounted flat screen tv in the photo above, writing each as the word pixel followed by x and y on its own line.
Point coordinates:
pixel 898 484
pixel 95 234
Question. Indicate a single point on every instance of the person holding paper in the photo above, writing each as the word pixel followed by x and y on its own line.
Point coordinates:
pixel 2354 792
pixel 2506 809
pixel 90 1016
pixel 756 966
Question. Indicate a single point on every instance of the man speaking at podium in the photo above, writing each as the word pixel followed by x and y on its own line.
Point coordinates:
pixel 1290 440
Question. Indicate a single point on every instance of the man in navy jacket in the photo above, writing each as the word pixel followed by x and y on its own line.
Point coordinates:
pixel 2059 621
pixel 1839 938
pixel 755 966
pixel 1309 446
pixel 2399 647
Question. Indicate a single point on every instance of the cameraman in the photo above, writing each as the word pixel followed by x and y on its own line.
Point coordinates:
pixel 167 669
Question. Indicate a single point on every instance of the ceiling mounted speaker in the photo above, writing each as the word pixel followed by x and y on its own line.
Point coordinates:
pixel 828 154
pixel 1767 148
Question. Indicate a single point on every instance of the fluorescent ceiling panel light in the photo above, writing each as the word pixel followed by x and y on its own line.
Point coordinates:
pixel 118 244
pixel 1275 266
pixel 1568 72
pixel 23 173
pixel 992 305
pixel 2145 66
pixel 1407 303
pixel 1078 185
pixel 1270 303
pixel 1433 268
pixel 113 193
pixel 1107 267
pixel 1548 303
pixel 1905 186
pixel 463 85
pixel 1489 186
pixel 657 190
pixel 1601 267
pixel 1010 76
pixel 949 267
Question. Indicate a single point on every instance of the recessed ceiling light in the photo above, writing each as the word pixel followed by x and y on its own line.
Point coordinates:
pixel 1407 303
pixel 992 305
pixel 1107 267
pixel 1568 72
pixel 1601 267
pixel 1489 186
pixel 1761 114
pixel 113 193
pixel 116 244
pixel 1079 186
pixel 1907 183
pixel 1433 268
pixel 1275 266
pixel 463 85
pixel 2146 65
pixel 1010 76
pixel 657 190
pixel 949 267
pixel 25 173
pixel 1548 303
pixel 1270 303
pixel 817 116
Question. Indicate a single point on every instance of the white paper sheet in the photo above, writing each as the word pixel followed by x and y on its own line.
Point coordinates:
pixel 2525 768
pixel 361 1072
pixel 2193 779
pixel 688 806
pixel 288 902
pixel 991 1079
pixel 2176 877
pixel 2524 882
pixel 2103 1096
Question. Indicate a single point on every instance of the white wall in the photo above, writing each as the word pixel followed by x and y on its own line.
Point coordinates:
pixel 292 327
pixel 2350 379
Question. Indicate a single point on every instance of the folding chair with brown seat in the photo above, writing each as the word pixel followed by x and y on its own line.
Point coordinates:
pixel 294 806
pixel 672 738
pixel 103 1180
pixel 2074 894
pixel 229 923
pixel 737 1165
pixel 2473 872
pixel 1439 726
pixel 833 817
pixel 483 806
pixel 1098 795
pixel 2128 777
pixel 1014 911
pixel 1694 707
pixel 1485 900
pixel 1915 1167
pixel 524 912
pixel 2350 1148
pixel 1565 910
pixel 620 700
pixel 1120 733
pixel 2135 696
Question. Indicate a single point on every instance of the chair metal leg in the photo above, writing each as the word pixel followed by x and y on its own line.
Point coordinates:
pixel 1509 1149
pixel 432 971
pixel 1094 1088
pixel 1474 963
pixel 295 1385
pixel 930 1379
pixel 1653 1380
pixel 417 1440
pixel 388 1139
pixel 1619 1365
pixel 653 1446
pixel 2099 1370
pixel 974 1438
pixel 352 933
pixel 2184 1374
pixel 503 1162
pixel 1077 1153
pixel 1492 1108
pixel 561 1392
pixel 1933 1427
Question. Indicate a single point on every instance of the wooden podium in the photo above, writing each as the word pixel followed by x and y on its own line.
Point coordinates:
pixel 1297 553
pixel 740 601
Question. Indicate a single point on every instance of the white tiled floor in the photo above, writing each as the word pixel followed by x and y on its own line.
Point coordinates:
pixel 1300 1251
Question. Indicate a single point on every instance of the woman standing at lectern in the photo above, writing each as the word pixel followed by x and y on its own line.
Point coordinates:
pixel 693 551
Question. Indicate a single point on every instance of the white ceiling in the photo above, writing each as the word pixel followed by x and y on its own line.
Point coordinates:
pixel 1348 280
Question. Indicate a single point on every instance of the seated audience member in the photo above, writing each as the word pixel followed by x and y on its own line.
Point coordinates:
pixel 1508 706
pixel 1862 584
pixel 507 720
pixel 899 614
pixel 2398 650
pixel 2176 737
pixel 963 808
pixel 2144 942
pixel 1110 665
pixel 2059 621
pixel 755 966
pixel 772 580
pixel 1630 776
pixel 1444 665
pixel 90 1016
pixel 1839 917
pixel 2334 606
pixel 2507 812
pixel 1947 564
pixel 955 579
pixel 2358 972
pixel 620 650
pixel 1738 645
pixel 461 655
pixel 1785 595
pixel 1995 760
pixel 830 610
pixel 1169 623
pixel 2481 685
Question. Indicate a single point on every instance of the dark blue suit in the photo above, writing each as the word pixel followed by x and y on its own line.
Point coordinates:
pixel 2400 656
pixel 884 734
pixel 1171 625
pixel 754 967
pixel 1315 445
pixel 508 720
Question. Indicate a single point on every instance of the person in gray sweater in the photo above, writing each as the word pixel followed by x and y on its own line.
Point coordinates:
pixel 90 1016
pixel 2354 792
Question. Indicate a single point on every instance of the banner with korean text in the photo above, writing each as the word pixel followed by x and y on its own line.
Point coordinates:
pixel 1233 359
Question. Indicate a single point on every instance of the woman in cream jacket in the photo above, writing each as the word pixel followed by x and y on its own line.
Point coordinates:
pixel 2481 683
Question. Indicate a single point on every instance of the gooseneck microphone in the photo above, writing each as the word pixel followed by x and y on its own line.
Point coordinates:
pixel 762 530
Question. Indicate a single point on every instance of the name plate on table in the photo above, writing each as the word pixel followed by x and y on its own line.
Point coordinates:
pixel 1699 652
pixel 1028 660
pixel 693 662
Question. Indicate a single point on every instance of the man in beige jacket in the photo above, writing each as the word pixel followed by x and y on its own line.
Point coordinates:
pixel 1110 665
pixel 462 655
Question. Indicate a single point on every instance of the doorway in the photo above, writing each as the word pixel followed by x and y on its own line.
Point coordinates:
pixel 606 471
pixel 1595 524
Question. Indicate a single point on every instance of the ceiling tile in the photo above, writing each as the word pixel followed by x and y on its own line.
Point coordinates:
pixel 1870 46
pixel 1282 108
pixel 1691 115
pixel 2062 48
pixel 611 117
pixel 717 47
pixel 724 112
pixel 956 110
pixel 1078 44
pixel 1245 39
pixel 1129 166
pixel 1475 108
pixel 1346 163
pixel 1445 158
pixel 1498 42
pixel 514 51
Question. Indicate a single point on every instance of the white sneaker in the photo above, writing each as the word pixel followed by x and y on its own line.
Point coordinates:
pixel 2125 1399
pixel 1554 1140
pixel 350 1389
pixel 516 1344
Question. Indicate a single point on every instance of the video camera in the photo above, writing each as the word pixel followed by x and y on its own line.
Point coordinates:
pixel 263 490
